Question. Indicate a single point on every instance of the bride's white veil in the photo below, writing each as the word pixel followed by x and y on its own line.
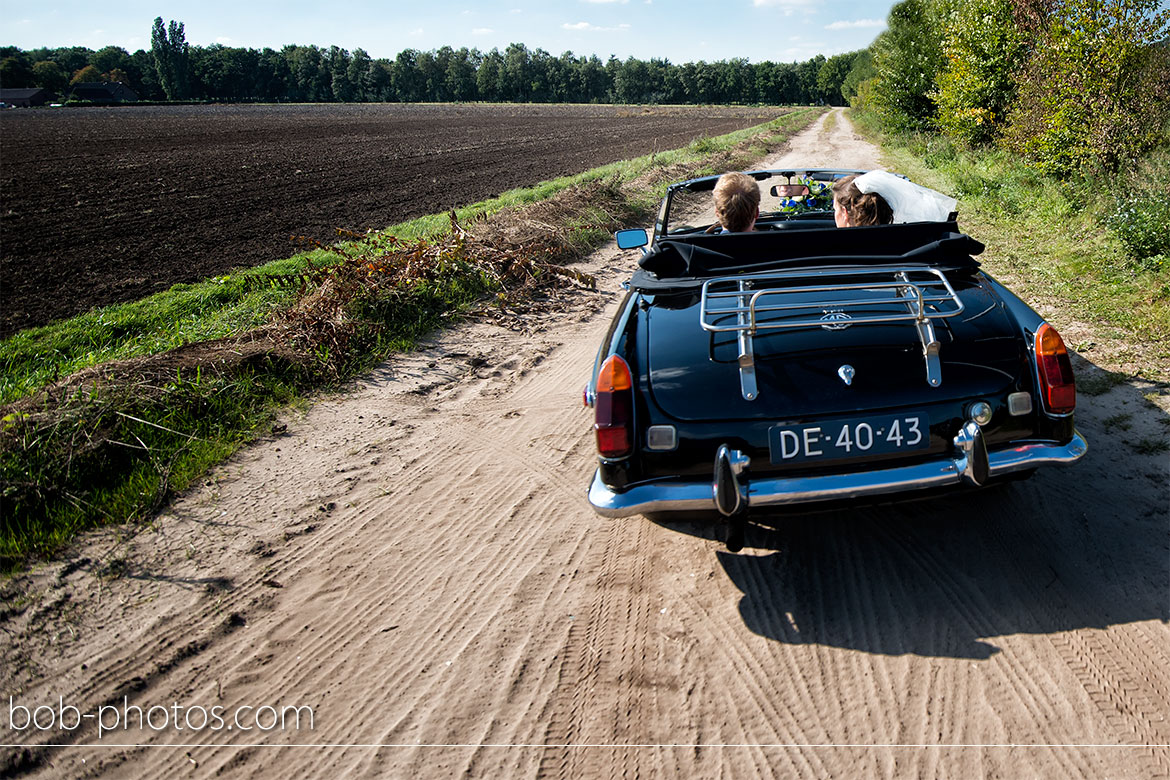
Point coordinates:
pixel 910 202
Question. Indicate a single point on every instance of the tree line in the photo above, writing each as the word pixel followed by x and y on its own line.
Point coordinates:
pixel 174 70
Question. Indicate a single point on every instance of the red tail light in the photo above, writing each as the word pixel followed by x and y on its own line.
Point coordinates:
pixel 1057 386
pixel 614 409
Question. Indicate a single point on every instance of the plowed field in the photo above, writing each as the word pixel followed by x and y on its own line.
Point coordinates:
pixel 100 206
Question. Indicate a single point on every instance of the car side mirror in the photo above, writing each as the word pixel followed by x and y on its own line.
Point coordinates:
pixel 631 239
pixel 790 191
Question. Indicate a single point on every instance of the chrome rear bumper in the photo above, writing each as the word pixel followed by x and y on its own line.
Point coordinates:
pixel 675 496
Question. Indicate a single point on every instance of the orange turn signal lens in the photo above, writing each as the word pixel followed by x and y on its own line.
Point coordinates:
pixel 614 375
pixel 1058 388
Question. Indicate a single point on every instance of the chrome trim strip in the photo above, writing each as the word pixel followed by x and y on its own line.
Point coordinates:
pixel 670 496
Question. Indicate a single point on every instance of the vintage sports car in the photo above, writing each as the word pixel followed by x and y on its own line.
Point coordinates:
pixel 802 362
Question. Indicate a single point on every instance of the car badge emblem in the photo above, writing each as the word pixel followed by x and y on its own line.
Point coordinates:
pixel 835 320
pixel 846 373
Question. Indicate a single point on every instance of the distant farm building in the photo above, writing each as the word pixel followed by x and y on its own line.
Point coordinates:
pixel 103 92
pixel 25 98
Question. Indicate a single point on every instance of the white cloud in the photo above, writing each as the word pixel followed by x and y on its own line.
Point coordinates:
pixel 416 32
pixel 516 11
pixel 855 24
pixel 601 2
pixel 789 7
pixel 482 31
pixel 587 27
pixel 223 40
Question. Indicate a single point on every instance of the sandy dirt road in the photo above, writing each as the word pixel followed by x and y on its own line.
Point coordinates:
pixel 416 561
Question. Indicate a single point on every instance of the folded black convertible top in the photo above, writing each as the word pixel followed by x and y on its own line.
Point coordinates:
pixel 682 262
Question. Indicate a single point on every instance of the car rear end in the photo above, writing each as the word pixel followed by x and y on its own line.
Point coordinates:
pixel 818 384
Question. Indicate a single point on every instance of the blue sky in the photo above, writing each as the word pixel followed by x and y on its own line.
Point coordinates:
pixel 679 30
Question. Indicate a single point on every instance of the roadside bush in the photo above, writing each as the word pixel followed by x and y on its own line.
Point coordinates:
pixel 1142 223
pixel 1095 94
pixel 982 51
pixel 863 100
pixel 1141 216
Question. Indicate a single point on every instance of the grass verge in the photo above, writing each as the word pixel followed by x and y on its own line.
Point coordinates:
pixel 1051 240
pixel 106 415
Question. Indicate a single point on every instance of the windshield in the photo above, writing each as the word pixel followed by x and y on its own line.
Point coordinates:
pixel 784 195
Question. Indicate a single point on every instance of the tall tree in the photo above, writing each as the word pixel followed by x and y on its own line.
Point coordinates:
pixel 15 73
pixel 487 78
pixel 983 50
pixel 110 58
pixel 832 75
pixel 171 54
pixel 908 57
pixel 49 75
pixel 359 76
pixel 460 75
pixel 87 75
pixel 861 71
pixel 409 81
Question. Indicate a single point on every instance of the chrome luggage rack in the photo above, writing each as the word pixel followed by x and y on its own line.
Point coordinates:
pixel 776 300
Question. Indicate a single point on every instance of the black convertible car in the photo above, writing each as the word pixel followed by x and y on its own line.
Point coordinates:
pixel 802 362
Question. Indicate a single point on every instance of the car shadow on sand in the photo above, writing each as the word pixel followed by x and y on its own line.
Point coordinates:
pixel 1084 546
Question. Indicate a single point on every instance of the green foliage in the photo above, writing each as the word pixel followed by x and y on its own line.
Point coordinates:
pixel 15 73
pixel 908 57
pixel 831 77
pixel 49 75
pixel 1141 218
pixel 116 452
pixel 860 71
pixel 864 99
pixel 183 314
pixel 983 48
pixel 172 70
pixel 110 59
pixel 1095 94
pixel 88 74
pixel 1142 223
pixel 1046 237
pixel 171 52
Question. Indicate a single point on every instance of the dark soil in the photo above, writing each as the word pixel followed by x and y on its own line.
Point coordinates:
pixel 100 206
